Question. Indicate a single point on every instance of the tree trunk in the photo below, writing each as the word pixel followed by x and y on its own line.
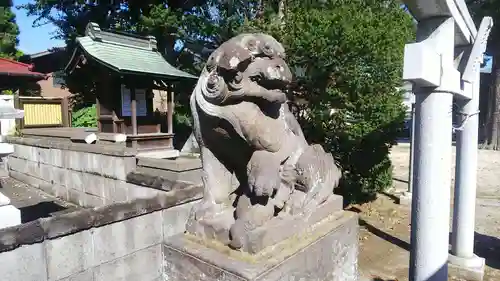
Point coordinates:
pixel 493 111
pixel 260 10
pixel 495 132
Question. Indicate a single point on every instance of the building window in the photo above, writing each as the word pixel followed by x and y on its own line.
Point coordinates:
pixel 58 79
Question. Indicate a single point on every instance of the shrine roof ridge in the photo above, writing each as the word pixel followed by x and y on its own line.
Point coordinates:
pixel 132 40
pixel 125 53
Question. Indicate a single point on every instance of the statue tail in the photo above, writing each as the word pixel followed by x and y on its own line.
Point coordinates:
pixel 191 145
pixel 318 174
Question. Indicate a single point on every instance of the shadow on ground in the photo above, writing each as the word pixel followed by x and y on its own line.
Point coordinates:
pixel 485 246
pixel 488 247
pixel 438 275
pixel 387 237
pixel 400 180
pixel 39 210
pixel 393 197
pixel 382 234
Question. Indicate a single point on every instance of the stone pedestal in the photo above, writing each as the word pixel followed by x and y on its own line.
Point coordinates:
pixel 467 268
pixel 327 250
pixel 9 215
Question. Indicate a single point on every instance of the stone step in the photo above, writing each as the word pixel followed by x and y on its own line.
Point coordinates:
pixel 166 174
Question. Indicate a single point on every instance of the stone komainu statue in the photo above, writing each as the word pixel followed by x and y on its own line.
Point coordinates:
pixel 257 164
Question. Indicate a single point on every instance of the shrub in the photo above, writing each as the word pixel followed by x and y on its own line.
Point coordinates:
pixel 85 117
pixel 348 57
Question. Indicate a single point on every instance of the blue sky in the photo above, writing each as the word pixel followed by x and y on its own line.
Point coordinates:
pixel 33 39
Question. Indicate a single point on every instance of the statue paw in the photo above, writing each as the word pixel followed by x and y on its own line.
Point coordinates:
pixel 206 210
pixel 288 173
pixel 263 173
pixel 237 231
pixel 282 195
pixel 264 187
pixel 263 181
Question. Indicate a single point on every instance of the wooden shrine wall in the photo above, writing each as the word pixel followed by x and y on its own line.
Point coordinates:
pixel 115 117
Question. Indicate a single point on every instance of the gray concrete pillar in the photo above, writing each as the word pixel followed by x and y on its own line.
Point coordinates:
pixel 430 212
pixel 465 177
pixel 462 238
pixel 462 260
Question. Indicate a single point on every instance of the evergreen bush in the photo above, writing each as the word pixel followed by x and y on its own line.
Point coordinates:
pixel 347 57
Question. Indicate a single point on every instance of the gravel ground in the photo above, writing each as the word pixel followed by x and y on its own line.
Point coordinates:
pixel 385 225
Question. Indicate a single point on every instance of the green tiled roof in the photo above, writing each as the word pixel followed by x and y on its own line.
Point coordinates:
pixel 127 53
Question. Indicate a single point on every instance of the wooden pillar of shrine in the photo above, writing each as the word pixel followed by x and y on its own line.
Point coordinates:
pixel 98 113
pixel 170 109
pixel 170 113
pixel 133 111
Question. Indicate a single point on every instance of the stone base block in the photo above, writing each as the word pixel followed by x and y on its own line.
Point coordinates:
pixel 405 199
pixel 471 269
pixel 271 232
pixel 9 216
pixel 327 251
pixel 159 154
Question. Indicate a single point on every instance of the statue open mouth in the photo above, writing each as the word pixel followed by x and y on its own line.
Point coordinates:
pixel 271 79
pixel 274 90
pixel 272 84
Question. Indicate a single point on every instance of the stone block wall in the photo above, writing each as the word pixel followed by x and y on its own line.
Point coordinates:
pixel 187 169
pixel 88 175
pixel 122 241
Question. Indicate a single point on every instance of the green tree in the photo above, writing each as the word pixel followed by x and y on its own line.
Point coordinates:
pixel 348 58
pixel 8 40
pixel 182 28
pixel 8 34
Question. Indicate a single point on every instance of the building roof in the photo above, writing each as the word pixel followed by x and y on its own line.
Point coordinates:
pixel 47 52
pixel 126 53
pixel 15 68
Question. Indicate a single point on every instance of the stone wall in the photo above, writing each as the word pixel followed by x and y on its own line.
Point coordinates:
pixel 89 175
pixel 122 241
